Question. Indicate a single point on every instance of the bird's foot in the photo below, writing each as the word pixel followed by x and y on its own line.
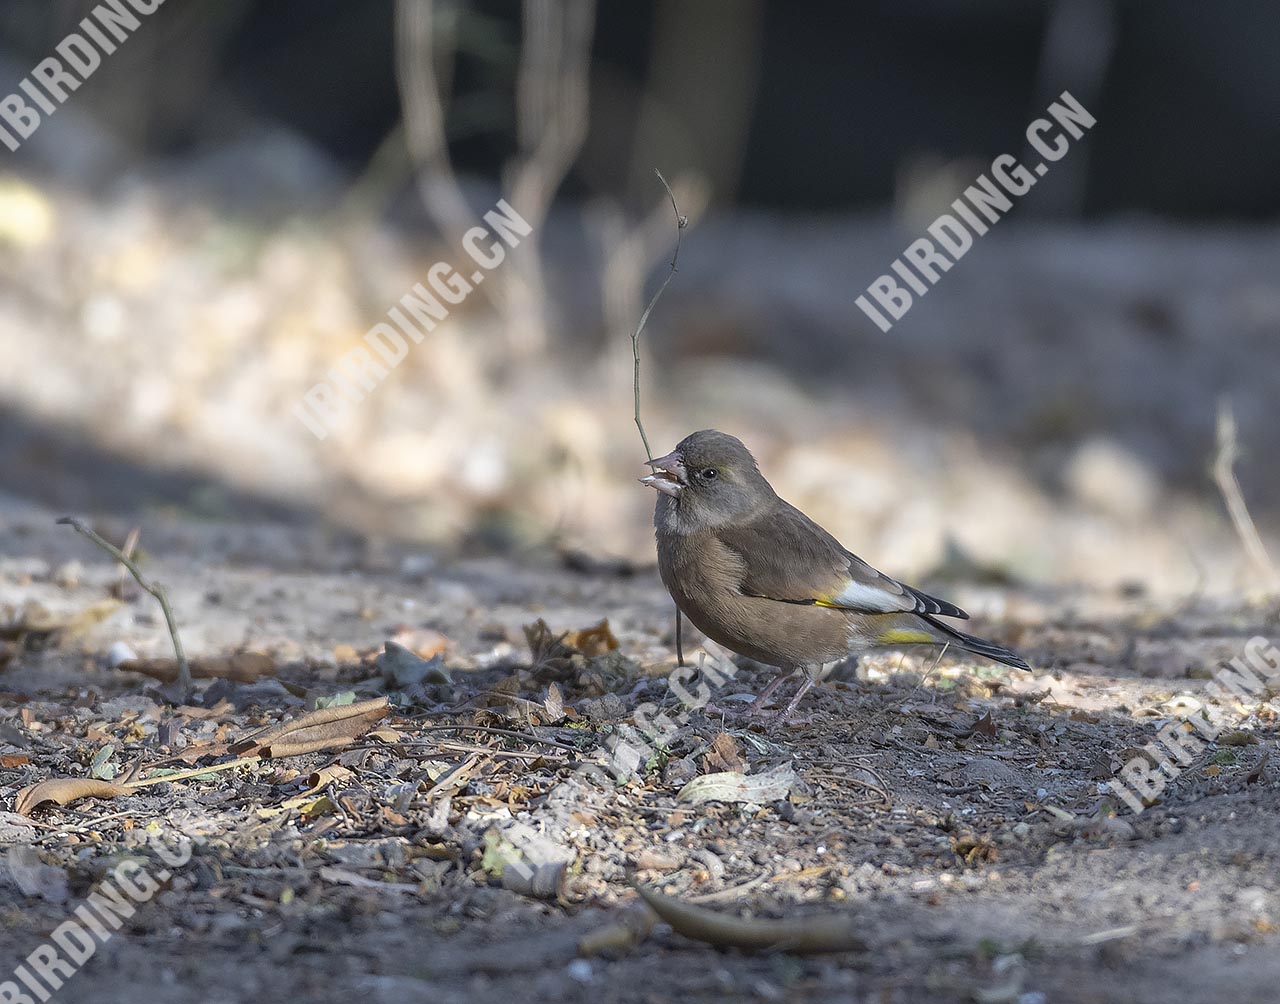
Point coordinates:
pixel 756 709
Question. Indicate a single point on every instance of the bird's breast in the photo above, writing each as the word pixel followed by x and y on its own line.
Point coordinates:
pixel 704 578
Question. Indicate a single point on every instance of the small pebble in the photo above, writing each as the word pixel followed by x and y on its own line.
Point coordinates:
pixel 68 575
pixel 119 652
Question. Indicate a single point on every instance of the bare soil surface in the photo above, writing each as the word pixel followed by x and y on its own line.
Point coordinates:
pixel 961 813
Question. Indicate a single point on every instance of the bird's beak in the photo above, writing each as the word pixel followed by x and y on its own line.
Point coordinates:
pixel 669 476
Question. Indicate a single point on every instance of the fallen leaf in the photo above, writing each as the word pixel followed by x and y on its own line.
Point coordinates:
pixel 342 698
pixel 547 651
pixel 65 790
pixel 329 728
pixel 314 807
pixel 592 641
pixel 832 932
pixel 984 726
pixel 328 775
pixel 14 760
pixel 554 704
pixel 101 767
pixel 731 786
pixel 243 667
pixel 724 755
pixel 554 652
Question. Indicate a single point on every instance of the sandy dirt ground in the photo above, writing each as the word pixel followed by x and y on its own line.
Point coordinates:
pixel 960 816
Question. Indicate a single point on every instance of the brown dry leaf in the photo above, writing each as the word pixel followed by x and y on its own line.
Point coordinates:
pixel 64 790
pixel 243 667
pixel 543 645
pixel 833 932
pixel 14 760
pixel 724 755
pixel 328 775
pixel 551 650
pixel 592 641
pixel 329 728
pixel 984 726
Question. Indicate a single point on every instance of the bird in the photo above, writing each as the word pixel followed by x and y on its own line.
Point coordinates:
pixel 755 574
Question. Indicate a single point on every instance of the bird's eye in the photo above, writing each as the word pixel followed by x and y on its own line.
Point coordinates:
pixel 708 473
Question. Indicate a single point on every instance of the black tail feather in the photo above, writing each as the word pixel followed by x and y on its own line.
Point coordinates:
pixel 982 647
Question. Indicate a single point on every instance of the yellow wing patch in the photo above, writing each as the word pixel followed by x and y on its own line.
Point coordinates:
pixel 905 636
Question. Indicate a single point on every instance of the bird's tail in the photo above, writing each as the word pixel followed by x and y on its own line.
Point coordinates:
pixel 980 646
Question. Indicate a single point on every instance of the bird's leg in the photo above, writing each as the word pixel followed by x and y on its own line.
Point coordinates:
pixel 794 703
pixel 756 707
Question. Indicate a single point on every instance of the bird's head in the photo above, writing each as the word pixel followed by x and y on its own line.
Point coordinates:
pixel 708 480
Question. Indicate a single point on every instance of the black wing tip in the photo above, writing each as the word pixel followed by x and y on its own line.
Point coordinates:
pixel 926 604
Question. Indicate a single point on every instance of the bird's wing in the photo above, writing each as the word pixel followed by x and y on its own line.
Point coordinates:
pixel 788 557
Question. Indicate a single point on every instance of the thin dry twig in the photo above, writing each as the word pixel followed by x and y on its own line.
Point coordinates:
pixel 681 223
pixel 1225 476
pixel 154 588
pixel 921 682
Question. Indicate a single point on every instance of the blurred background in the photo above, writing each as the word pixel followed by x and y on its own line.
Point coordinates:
pixel 246 187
